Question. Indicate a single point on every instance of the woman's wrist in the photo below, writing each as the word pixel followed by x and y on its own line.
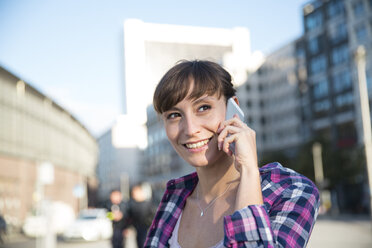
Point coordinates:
pixel 249 189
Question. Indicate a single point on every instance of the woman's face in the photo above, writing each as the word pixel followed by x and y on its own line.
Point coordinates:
pixel 191 127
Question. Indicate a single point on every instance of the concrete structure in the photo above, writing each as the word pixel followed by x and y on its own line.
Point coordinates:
pixel 333 30
pixel 270 101
pixel 151 49
pixel 118 163
pixel 40 143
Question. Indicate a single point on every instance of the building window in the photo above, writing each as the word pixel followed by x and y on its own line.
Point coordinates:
pixel 260 87
pixel 262 104
pixel 342 81
pixel 249 104
pixel 320 89
pixel 335 8
pixel 338 33
pixel 314 20
pixel 318 64
pixel 361 32
pixel 313 45
pixel 346 99
pixel 247 87
pixel 322 106
pixel 340 55
pixel 300 52
pixel 358 9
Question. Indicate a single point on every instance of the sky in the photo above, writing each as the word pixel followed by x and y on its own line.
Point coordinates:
pixel 72 50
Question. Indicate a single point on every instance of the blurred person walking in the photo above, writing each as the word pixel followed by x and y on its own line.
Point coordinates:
pixel 2 228
pixel 117 213
pixel 141 211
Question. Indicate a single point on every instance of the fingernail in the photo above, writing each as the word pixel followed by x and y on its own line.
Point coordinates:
pixel 219 146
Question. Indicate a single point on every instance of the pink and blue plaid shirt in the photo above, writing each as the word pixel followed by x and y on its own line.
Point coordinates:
pixel 286 219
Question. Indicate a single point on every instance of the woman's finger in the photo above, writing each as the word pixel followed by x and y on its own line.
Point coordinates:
pixel 229 130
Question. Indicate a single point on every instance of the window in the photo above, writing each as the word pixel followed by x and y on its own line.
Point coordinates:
pixel 361 32
pixel 314 20
pixel 320 89
pixel 318 64
pixel 344 99
pixel 358 9
pixel 313 45
pixel 322 106
pixel 335 8
pixel 338 33
pixel 300 52
pixel 249 103
pixel 340 55
pixel 342 81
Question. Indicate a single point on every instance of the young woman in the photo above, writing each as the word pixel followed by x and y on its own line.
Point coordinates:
pixel 229 201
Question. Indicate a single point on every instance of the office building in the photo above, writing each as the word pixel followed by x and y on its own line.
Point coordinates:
pixel 45 153
pixel 333 31
pixel 271 103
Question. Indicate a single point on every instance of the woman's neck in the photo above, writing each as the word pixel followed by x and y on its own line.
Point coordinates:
pixel 214 179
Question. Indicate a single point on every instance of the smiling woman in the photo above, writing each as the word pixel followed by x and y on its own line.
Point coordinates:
pixel 229 201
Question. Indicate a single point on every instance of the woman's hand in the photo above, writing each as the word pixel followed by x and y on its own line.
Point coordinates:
pixel 249 189
pixel 236 131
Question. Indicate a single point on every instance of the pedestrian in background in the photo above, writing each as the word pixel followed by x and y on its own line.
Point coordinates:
pixel 117 210
pixel 229 201
pixel 141 211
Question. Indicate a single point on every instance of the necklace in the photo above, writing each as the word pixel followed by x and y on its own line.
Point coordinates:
pixel 211 203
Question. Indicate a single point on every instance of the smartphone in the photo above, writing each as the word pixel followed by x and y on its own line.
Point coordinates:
pixel 233 108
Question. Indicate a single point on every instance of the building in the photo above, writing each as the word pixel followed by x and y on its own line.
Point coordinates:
pixel 45 153
pixel 333 31
pixel 271 103
pixel 118 163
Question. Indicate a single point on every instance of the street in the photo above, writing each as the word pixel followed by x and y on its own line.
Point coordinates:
pixel 340 232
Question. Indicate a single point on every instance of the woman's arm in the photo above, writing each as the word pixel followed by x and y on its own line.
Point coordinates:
pixel 288 222
pixel 234 130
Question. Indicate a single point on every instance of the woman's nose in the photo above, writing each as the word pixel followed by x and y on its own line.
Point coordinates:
pixel 191 126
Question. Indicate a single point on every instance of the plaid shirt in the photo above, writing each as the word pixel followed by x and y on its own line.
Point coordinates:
pixel 286 218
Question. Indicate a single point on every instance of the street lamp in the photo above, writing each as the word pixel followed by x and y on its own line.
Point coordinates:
pixel 360 59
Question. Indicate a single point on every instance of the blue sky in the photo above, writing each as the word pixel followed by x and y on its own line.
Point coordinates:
pixel 72 50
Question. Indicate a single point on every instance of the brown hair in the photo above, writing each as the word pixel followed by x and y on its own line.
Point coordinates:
pixel 208 78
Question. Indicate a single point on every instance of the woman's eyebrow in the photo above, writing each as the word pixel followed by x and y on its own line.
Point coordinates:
pixel 201 99
pixel 172 109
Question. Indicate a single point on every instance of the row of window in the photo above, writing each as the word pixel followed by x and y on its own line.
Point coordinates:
pixel 339 55
pixel 341 102
pixel 340 82
pixel 334 9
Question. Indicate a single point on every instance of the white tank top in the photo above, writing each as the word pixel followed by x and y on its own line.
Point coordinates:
pixel 173 241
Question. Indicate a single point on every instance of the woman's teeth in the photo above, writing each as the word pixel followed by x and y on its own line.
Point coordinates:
pixel 197 145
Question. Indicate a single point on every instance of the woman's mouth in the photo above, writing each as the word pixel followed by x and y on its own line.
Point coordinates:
pixel 198 144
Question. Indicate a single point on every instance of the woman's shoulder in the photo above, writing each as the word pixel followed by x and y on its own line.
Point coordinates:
pixel 278 174
pixel 188 181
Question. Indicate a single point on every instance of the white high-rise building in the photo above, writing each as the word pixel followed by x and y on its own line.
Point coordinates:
pixel 151 49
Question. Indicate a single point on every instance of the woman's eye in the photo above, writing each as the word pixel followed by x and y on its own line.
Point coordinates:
pixel 204 108
pixel 173 115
